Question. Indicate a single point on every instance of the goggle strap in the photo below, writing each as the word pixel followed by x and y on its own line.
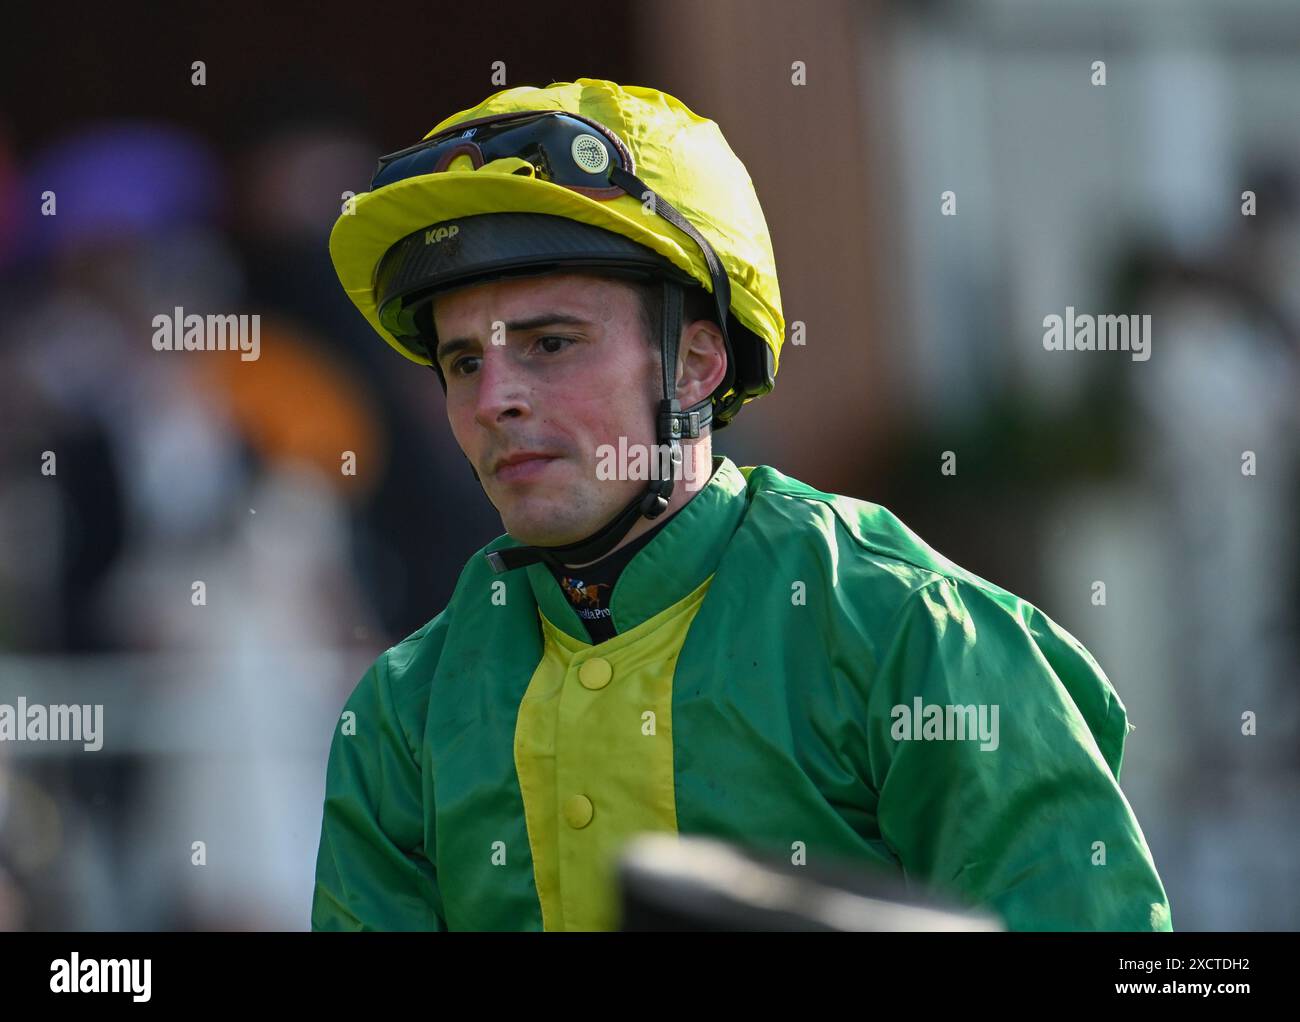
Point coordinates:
pixel 633 185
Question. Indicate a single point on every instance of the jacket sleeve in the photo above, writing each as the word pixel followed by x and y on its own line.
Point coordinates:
pixel 372 870
pixel 1027 818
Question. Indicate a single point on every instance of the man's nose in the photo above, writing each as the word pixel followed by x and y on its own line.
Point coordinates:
pixel 501 390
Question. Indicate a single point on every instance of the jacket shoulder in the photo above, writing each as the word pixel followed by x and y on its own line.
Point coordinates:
pixel 402 676
pixel 870 550
pixel 888 570
pixel 425 643
pixel 848 525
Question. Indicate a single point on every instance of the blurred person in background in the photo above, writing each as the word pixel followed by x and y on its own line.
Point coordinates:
pixel 297 154
pixel 171 469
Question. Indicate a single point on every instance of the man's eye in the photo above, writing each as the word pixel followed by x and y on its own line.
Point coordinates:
pixel 551 350
pixel 551 344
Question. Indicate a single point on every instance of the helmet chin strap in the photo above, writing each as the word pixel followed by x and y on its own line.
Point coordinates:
pixel 671 427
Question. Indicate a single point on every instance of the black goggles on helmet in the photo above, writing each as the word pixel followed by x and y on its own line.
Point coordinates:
pixel 564 149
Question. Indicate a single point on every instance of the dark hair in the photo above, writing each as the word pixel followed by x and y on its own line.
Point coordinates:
pixel 698 304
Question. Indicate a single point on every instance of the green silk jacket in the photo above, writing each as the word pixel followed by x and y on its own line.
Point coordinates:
pixel 793 670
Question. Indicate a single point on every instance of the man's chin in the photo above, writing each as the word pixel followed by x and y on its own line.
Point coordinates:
pixel 540 529
pixel 544 517
pixel 530 531
pixel 535 520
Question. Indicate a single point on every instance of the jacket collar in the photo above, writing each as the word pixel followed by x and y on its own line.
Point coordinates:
pixel 682 554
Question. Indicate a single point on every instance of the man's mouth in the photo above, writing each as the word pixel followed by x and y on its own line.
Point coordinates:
pixel 518 467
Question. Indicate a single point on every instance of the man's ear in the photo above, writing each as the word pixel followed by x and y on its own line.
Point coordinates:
pixel 701 361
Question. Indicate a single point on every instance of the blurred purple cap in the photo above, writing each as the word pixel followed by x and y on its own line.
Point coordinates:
pixel 118 181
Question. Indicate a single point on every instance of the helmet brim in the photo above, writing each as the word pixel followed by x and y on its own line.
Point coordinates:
pixel 382 219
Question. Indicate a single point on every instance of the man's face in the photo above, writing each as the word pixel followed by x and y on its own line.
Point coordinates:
pixel 571 370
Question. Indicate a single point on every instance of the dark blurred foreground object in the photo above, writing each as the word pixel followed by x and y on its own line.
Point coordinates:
pixel 692 883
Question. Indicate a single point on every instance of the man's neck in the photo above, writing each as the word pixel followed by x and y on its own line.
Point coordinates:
pixel 698 464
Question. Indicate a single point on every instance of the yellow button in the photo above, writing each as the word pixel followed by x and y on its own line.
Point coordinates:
pixel 595 673
pixel 578 811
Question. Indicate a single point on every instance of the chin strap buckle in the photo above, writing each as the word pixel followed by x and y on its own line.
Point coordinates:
pixel 675 424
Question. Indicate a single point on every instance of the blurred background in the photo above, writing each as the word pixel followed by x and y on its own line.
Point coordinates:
pixel 923 334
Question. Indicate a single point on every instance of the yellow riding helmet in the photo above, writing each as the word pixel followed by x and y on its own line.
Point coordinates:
pixel 634 163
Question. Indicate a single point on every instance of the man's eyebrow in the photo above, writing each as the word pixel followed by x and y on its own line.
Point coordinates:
pixel 543 319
